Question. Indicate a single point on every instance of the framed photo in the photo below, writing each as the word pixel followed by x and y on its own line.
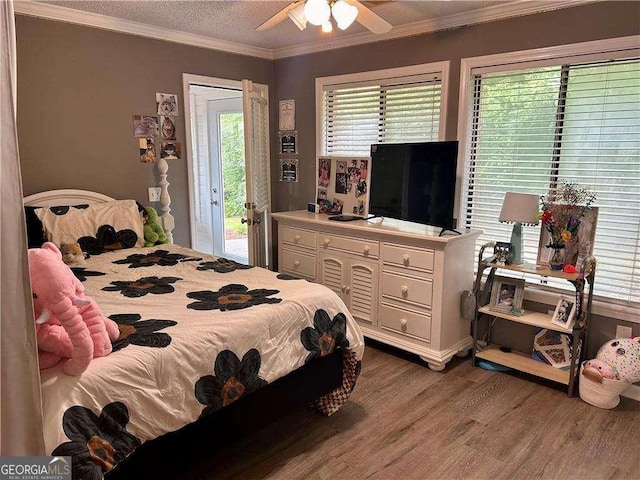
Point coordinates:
pixel 579 247
pixel 145 126
pixel 289 170
pixel 506 294
pixel 552 348
pixel 565 312
pixel 288 143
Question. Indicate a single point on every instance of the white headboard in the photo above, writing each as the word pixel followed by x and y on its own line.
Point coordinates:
pixel 52 198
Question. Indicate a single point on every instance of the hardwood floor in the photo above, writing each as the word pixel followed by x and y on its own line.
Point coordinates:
pixel 405 421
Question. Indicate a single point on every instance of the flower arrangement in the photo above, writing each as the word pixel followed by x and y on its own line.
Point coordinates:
pixel 562 211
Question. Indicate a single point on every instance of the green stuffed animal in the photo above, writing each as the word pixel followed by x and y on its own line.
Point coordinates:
pixel 153 231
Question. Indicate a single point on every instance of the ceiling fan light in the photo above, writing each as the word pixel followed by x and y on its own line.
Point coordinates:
pixel 297 16
pixel 327 27
pixel 344 14
pixel 317 11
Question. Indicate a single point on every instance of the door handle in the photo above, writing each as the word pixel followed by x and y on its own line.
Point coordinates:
pixel 213 202
pixel 257 221
pixel 244 220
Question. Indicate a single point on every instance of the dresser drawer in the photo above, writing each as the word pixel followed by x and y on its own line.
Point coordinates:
pixel 299 237
pixel 405 321
pixel 366 248
pixel 298 263
pixel 407 289
pixel 399 256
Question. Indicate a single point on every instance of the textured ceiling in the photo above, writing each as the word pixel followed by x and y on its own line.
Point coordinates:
pixel 235 21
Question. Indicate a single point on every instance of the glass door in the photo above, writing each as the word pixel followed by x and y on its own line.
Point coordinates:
pixel 228 188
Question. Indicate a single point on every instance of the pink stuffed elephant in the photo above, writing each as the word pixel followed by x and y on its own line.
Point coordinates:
pixel 69 324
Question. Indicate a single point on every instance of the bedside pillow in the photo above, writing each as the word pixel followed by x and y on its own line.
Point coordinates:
pixel 35 230
pixel 121 218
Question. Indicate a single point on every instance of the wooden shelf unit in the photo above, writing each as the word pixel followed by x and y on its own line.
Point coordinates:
pixel 522 361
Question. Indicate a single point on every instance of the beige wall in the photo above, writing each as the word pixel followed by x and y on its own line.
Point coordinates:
pixel 78 88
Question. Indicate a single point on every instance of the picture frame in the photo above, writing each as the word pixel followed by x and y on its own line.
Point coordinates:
pixel 565 312
pixel 288 142
pixel 579 247
pixel 288 169
pixel 552 347
pixel 506 294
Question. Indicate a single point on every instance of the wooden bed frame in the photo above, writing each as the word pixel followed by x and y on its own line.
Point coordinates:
pixel 193 442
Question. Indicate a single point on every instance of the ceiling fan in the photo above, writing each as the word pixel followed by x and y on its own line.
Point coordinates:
pixel 320 12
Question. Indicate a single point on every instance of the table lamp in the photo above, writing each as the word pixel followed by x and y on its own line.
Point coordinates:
pixel 521 209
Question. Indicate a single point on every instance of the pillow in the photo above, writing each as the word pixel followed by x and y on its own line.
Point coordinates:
pixel 97 227
pixel 35 230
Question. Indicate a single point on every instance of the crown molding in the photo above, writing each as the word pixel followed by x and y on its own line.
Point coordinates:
pixel 88 19
pixel 483 15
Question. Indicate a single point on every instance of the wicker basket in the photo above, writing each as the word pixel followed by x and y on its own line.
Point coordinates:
pixel 602 395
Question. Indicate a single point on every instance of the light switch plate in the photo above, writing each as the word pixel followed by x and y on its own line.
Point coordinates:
pixel 154 194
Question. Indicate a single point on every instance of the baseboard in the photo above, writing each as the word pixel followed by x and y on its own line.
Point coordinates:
pixel 633 392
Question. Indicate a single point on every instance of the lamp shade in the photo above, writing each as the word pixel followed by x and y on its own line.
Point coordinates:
pixel 520 208
pixel 344 14
pixel 317 11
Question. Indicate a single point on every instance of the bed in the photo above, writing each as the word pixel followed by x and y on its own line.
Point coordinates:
pixel 201 339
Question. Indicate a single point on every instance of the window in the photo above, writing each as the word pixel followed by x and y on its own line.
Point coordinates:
pixel 576 119
pixel 385 106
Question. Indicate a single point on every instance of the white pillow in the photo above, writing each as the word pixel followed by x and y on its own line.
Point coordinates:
pixel 68 224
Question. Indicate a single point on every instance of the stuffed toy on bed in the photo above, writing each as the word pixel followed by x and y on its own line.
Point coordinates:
pixel 70 325
pixel 153 231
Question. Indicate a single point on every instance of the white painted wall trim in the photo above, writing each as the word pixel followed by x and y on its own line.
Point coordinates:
pixel 88 19
pixel 633 392
pixel 483 15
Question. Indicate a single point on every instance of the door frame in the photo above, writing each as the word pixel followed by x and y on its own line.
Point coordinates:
pixel 217 175
pixel 187 80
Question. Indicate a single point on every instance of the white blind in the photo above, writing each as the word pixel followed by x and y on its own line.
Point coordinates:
pixel 530 129
pixel 260 157
pixel 357 115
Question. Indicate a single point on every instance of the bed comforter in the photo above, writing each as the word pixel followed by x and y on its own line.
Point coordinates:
pixel 196 333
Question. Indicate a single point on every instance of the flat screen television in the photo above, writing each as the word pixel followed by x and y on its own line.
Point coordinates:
pixel 414 182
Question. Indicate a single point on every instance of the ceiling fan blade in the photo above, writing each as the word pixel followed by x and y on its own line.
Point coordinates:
pixel 370 20
pixel 278 17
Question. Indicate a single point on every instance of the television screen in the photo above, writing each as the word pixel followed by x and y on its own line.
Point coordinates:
pixel 414 182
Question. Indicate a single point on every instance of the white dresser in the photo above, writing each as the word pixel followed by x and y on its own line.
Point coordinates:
pixel 401 281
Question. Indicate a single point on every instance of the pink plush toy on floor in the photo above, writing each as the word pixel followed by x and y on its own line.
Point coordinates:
pixel 69 324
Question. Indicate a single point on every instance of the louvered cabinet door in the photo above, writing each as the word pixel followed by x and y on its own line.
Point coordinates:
pixel 362 290
pixel 333 273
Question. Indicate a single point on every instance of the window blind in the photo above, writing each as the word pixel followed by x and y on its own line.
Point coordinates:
pixel 356 115
pixel 532 128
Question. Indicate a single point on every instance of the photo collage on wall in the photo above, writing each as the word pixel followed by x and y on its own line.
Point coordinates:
pixel 147 127
pixel 343 185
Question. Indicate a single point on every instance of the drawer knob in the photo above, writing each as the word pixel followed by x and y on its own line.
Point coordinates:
pixel 366 250
pixel 403 324
pixel 405 259
pixel 326 242
pixel 347 290
pixel 405 290
pixel 344 287
pixel 296 239
pixel 296 263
